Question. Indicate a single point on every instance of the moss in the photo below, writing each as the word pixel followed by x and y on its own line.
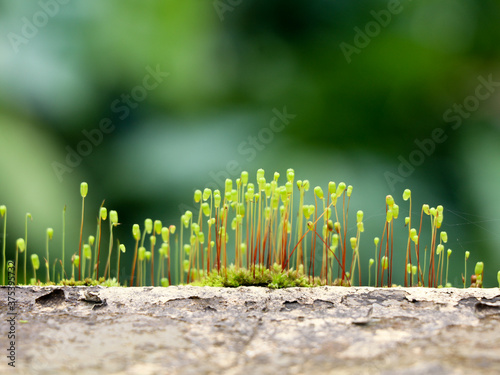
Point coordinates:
pixel 86 282
pixel 274 278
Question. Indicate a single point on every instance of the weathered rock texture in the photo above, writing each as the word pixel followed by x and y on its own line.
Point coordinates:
pixel 251 330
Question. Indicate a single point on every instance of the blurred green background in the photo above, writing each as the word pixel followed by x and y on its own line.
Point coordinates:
pixel 367 82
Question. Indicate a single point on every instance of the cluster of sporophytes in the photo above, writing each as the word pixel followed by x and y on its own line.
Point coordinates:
pixel 258 233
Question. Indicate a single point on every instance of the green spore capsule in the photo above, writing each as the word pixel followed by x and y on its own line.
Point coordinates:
pixel 113 217
pixel 158 226
pixel 205 208
pixel 197 195
pixel 444 237
pixel 87 251
pixel 349 190
pixel 260 174
pixel 406 194
pixel 340 189
pixel 359 216
pixel 84 189
pixel 479 268
pixel 395 211
pixel 389 200
pixel 20 244
pixel 136 231
pixel 228 185
pixel 148 225
pixel 385 262
pixel 35 261
pixel 142 253
pixel 103 213
pixel 244 178
pixel 206 193
pixel 319 192
pixel 353 241
pixel 332 188
pixel 439 249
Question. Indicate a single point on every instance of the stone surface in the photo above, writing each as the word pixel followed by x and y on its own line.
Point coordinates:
pixel 252 330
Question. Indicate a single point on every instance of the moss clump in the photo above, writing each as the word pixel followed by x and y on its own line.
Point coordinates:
pixel 259 275
pixel 86 282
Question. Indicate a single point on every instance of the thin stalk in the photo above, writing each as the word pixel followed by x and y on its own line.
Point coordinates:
pixel 26 245
pixel 95 249
pixel 134 262
pixel 98 249
pixel 81 235
pixel 391 224
pixel 63 240
pixel 369 274
pixel 381 281
pixel 54 271
pixel 108 263
pixel 420 272
pixel 47 260
pixel 118 264
pixel 425 262
pixel 152 262
pixel 408 246
pixel 181 253
pixel 465 270
pixel 159 273
pixel 447 265
pixel 299 260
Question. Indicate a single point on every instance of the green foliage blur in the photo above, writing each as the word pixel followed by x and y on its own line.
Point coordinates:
pixel 148 101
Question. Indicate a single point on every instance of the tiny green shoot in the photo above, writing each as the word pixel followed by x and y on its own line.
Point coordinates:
pixel 50 234
pixel 36 265
pixel 84 188
pixel 28 216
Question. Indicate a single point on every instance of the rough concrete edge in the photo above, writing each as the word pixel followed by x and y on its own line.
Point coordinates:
pixel 334 293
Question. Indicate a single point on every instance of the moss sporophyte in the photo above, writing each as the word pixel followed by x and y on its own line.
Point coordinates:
pixel 257 233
